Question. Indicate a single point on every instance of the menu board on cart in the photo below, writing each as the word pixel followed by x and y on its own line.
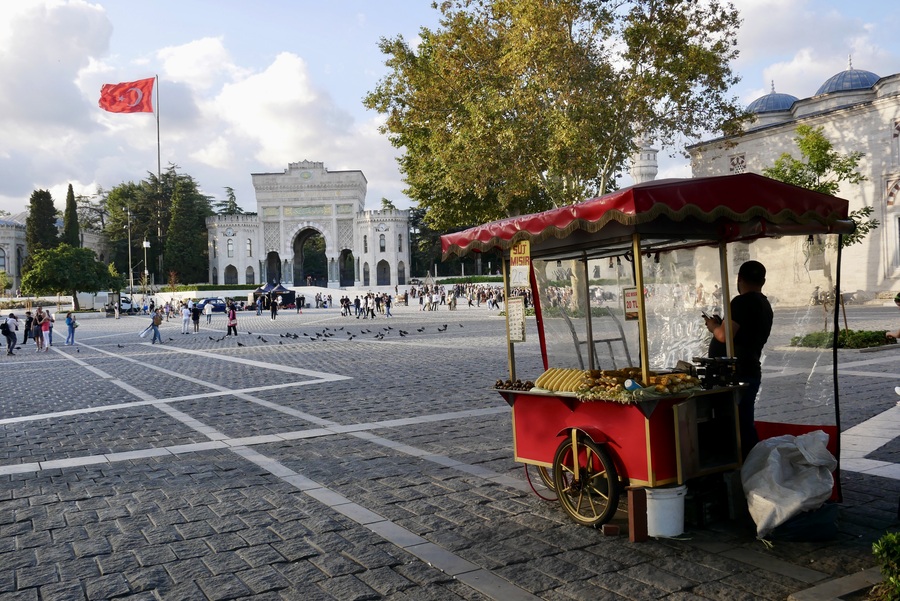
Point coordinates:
pixel 632 307
pixel 515 318
pixel 520 264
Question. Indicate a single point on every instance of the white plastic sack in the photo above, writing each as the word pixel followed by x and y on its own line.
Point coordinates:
pixel 786 475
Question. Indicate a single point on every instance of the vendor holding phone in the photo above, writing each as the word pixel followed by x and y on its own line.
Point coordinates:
pixel 751 323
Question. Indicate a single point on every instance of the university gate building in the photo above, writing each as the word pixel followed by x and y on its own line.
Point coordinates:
pixel 295 208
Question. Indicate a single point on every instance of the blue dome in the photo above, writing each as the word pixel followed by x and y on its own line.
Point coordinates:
pixel 851 79
pixel 772 102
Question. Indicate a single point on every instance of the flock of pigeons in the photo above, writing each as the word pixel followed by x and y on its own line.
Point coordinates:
pixel 331 333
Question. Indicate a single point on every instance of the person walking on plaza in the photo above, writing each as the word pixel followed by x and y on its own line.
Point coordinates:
pixel 37 330
pixel 185 319
pixel 71 324
pixel 207 310
pixel 196 311
pixel 156 321
pixel 387 305
pixel 46 331
pixel 232 319
pixel 273 308
pixel 751 323
pixel 29 323
pixel 9 327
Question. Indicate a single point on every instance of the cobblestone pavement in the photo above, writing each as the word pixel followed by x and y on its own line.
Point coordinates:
pixel 306 464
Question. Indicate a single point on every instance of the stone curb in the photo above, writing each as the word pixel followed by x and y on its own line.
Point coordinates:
pixel 835 590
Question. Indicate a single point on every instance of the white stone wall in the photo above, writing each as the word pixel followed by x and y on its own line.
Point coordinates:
pixel 870 125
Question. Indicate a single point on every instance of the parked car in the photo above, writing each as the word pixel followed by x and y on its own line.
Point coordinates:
pixel 218 304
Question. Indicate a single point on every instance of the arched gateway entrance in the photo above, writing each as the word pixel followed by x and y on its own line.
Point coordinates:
pixel 310 263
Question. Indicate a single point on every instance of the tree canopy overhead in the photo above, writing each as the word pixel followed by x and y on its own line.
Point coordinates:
pixel 515 106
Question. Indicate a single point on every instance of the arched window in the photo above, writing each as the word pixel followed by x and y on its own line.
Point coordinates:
pixel 230 247
pixel 365 244
pixel 249 250
pixel 249 276
pixel 2 260
pixel 215 277
pixel 215 248
pixel 381 243
pixel 399 243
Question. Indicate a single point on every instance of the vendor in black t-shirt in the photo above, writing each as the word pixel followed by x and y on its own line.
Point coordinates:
pixel 751 323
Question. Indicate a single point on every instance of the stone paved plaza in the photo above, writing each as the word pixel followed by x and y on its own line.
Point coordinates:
pixel 331 467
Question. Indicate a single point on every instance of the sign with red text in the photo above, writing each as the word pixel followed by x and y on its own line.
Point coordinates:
pixel 520 264
pixel 632 307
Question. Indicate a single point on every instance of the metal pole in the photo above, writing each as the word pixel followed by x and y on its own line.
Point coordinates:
pixel 130 269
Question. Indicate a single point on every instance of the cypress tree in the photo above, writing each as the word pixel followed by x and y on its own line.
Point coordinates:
pixel 40 225
pixel 71 234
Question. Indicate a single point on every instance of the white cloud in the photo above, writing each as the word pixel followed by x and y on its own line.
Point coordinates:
pixel 199 64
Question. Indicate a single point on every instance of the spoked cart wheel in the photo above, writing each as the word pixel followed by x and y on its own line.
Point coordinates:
pixel 586 481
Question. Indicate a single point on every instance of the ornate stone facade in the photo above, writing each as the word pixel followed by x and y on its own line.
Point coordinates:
pixel 362 248
pixel 856 118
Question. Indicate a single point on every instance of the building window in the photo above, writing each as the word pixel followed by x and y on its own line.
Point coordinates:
pixel 365 244
pixel 249 250
pixel 249 276
pixel 381 243
pixel 215 248
pixel 230 246
pixel 2 260
pixel 400 243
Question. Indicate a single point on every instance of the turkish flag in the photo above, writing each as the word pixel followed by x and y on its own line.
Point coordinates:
pixel 128 97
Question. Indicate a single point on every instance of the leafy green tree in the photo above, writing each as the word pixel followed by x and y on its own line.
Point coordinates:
pixel 149 202
pixel 71 234
pixel 115 281
pixel 823 169
pixel 229 206
pixel 387 205
pixel 515 106
pixel 65 270
pixel 40 225
pixel 92 214
pixel 186 243
pixel 5 281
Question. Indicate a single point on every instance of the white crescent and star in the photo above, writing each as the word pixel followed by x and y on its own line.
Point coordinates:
pixel 140 96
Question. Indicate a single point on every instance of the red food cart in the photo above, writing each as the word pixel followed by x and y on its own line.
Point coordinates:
pixel 619 282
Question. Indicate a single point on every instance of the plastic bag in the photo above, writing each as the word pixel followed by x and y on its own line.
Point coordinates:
pixel 786 475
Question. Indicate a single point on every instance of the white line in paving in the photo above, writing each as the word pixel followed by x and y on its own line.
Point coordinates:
pixel 482 580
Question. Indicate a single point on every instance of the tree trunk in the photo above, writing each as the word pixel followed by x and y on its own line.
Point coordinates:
pixel 74 300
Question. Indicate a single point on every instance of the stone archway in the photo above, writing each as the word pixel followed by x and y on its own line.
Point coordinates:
pixel 383 273
pixel 273 267
pixel 310 262
pixel 231 275
pixel 346 268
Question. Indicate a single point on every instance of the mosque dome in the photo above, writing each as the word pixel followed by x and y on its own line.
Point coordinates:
pixel 851 79
pixel 772 101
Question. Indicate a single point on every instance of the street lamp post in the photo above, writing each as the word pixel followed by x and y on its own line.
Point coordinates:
pixel 146 271
pixel 130 269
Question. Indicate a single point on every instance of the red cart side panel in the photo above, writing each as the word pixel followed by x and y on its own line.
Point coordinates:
pixel 643 449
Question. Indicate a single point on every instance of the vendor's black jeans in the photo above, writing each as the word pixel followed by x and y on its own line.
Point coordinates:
pixel 746 412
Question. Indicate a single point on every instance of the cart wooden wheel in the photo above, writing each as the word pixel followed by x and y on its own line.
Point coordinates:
pixel 547 477
pixel 588 491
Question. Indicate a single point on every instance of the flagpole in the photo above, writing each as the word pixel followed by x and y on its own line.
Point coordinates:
pixel 158 185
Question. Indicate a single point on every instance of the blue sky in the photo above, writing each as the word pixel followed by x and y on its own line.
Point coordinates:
pixel 247 87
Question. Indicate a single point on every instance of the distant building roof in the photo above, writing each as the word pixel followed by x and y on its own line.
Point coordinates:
pixel 772 101
pixel 851 79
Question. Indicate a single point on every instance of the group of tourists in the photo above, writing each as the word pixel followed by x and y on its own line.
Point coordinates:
pixel 370 305
pixel 38 327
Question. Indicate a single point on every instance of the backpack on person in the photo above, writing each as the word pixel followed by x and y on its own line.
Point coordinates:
pixel 4 328
pixel 157 319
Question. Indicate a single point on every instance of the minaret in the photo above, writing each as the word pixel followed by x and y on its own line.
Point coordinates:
pixel 644 165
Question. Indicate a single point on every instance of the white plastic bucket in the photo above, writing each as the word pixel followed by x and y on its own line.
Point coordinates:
pixel 665 511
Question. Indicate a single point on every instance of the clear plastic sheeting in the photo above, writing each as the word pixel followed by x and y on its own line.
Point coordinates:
pixel 679 285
